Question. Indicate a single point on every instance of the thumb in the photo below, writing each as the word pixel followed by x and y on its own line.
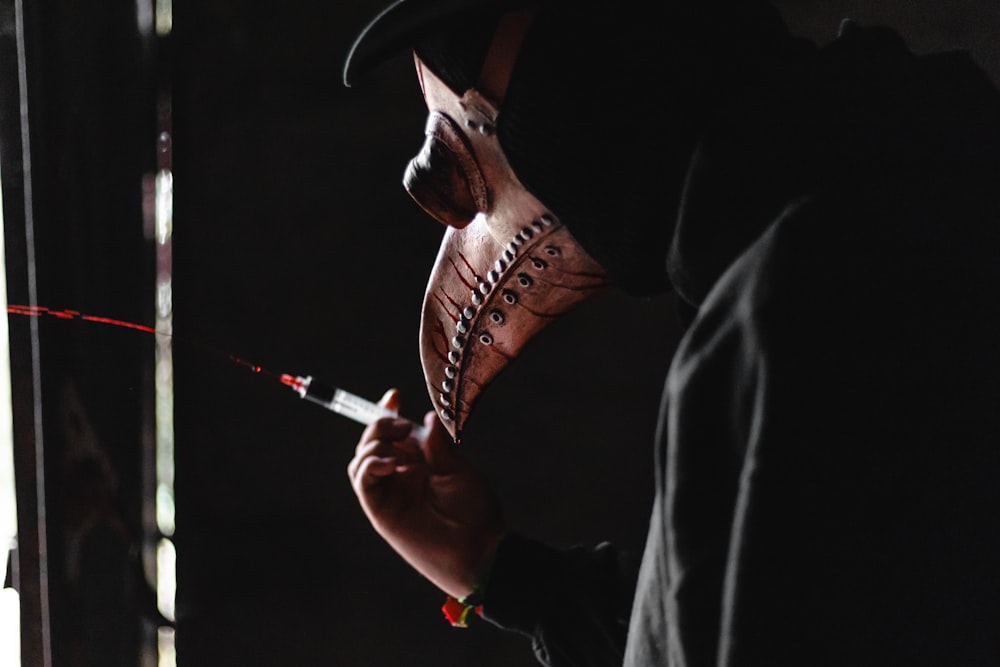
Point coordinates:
pixel 438 446
pixel 390 400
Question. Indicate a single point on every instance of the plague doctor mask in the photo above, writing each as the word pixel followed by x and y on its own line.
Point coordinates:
pixel 557 145
pixel 507 266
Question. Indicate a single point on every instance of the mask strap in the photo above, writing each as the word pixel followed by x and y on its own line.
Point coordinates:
pixel 498 66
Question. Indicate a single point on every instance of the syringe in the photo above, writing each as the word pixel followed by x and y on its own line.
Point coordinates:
pixel 343 402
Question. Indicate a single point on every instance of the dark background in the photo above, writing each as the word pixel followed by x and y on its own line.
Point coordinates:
pixel 296 247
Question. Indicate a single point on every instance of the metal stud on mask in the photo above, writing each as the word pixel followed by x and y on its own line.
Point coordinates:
pixel 505 270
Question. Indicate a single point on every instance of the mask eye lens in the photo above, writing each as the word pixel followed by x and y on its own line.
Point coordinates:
pixel 444 178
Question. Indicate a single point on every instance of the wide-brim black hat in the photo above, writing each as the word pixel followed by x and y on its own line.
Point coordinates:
pixel 404 23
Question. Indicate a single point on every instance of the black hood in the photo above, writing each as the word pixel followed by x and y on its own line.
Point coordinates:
pixel 860 111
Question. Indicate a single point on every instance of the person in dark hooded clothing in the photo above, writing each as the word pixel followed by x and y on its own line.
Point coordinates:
pixel 827 452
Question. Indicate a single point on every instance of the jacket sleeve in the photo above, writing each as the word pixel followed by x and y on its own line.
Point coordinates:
pixel 573 603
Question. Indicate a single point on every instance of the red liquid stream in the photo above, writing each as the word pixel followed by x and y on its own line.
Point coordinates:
pixel 42 311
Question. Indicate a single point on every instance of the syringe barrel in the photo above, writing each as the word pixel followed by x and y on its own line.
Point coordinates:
pixel 347 404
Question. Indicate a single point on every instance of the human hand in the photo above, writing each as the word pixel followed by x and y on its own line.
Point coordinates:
pixel 433 507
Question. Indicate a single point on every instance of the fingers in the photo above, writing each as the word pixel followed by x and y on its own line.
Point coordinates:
pixel 405 449
pixel 385 447
pixel 370 469
pixel 388 430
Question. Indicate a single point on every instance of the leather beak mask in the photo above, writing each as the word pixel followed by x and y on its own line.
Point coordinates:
pixel 507 267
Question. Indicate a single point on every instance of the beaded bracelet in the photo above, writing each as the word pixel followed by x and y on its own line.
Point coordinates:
pixel 456 610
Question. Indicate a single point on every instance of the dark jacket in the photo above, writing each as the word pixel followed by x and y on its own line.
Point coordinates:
pixel 828 456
